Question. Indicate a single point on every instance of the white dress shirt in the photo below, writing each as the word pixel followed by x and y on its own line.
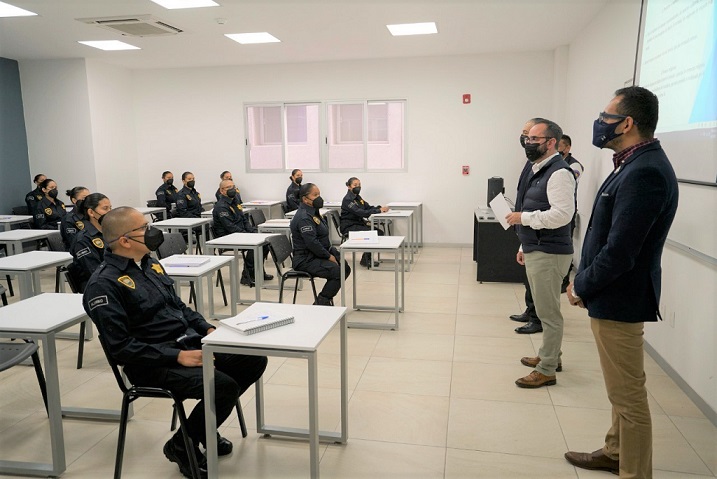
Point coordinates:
pixel 561 196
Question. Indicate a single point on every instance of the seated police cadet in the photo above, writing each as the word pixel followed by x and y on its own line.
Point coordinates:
pixel 230 218
pixel 147 328
pixel 189 202
pixel 88 249
pixel 167 193
pixel 36 195
pixel 313 252
pixel 49 210
pixel 292 192
pixel 355 212
pixel 227 175
pixel 72 223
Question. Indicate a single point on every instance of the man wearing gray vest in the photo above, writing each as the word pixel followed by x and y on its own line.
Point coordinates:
pixel 544 207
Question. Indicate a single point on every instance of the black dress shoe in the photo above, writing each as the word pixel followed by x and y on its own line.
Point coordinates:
pixel 224 446
pixel 521 318
pixel 246 279
pixel 176 452
pixel 530 328
pixel 268 277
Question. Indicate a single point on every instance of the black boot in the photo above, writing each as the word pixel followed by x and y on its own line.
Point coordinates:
pixel 247 278
pixel 323 301
pixel 224 446
pixel 176 452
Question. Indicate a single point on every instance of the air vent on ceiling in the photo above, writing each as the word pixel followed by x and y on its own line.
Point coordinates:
pixel 134 25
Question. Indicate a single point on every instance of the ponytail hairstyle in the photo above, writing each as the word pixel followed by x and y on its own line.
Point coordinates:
pixel 351 180
pixel 305 190
pixel 91 201
pixel 72 194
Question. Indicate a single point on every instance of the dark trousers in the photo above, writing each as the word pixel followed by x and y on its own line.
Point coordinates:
pixel 323 268
pixel 234 373
pixel 249 265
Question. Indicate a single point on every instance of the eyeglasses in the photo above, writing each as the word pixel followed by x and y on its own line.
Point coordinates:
pixel 610 116
pixel 536 139
pixel 143 228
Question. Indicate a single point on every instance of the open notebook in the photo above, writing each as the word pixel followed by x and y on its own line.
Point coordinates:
pixel 182 260
pixel 261 323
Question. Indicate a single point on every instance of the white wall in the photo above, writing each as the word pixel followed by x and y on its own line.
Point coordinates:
pixel 601 60
pixel 192 119
pixel 57 119
pixel 113 133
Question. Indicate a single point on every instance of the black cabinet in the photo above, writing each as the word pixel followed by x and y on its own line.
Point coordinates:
pixel 494 250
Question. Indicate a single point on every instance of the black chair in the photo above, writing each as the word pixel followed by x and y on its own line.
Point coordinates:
pixel 336 221
pixel 256 217
pixel 280 249
pixel 3 295
pixel 153 204
pixel 130 393
pixel 284 207
pixel 3 252
pixel 76 286
pixel 54 243
pixel 14 353
pixel 22 210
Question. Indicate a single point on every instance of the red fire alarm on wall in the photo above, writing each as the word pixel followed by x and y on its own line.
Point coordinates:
pixel 466 170
pixel 466 98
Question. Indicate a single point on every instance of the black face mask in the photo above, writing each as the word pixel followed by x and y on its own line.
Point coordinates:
pixel 532 151
pixel 604 133
pixel 169 182
pixel 522 140
pixel 99 220
pixel 318 203
pixel 52 194
pixel 356 190
pixel 190 184
pixel 298 180
pixel 232 193
pixel 153 238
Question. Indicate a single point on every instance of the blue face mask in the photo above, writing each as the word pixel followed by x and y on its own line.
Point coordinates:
pixel 603 133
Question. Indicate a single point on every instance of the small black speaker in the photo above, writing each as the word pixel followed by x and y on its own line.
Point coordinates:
pixel 495 186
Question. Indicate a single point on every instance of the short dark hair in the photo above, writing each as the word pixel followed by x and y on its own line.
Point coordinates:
pixel 166 173
pixel 306 189
pixel 537 119
pixel 552 130
pixel 642 106
pixel 567 140
pixel 37 177
pixel 43 184
pixel 185 174
pixel 351 180
pixel 221 177
pixel 91 201
pixel 75 191
pixel 295 171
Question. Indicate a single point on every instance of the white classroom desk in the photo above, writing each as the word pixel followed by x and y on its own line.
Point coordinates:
pixel 393 244
pixel 406 215
pixel 13 239
pixel 277 226
pixel 417 208
pixel 161 211
pixel 291 214
pixel 197 275
pixel 332 205
pixel 8 220
pixel 298 340
pixel 21 320
pixel 265 205
pixel 27 267
pixel 245 241
pixel 187 224
pixel 208 213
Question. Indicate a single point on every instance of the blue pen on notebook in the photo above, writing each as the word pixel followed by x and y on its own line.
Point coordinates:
pixel 263 316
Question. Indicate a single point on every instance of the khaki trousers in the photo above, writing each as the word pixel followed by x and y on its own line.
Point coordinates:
pixel 629 440
pixel 545 274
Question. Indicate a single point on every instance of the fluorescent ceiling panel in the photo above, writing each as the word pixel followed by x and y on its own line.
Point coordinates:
pixel 248 38
pixel 7 10
pixel 174 4
pixel 110 45
pixel 401 29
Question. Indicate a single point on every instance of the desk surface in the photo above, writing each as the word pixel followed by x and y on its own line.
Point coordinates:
pixel 15 218
pixel 56 311
pixel 146 210
pixel 384 242
pixel 310 327
pixel 276 223
pixel 213 263
pixel 22 235
pixel 261 203
pixel 398 204
pixel 393 214
pixel 291 214
pixel 181 222
pixel 239 239
pixel 33 260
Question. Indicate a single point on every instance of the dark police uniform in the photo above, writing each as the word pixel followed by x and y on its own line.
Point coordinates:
pixel 72 223
pixel 292 197
pixel 354 217
pixel 229 218
pixel 47 214
pixel 88 252
pixel 237 197
pixel 166 196
pixel 312 249
pixel 144 325
pixel 32 199
pixel 189 203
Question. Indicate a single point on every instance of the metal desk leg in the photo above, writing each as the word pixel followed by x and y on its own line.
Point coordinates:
pixel 344 381
pixel 342 259
pixel 57 440
pixel 36 286
pixel 210 413
pixel 210 293
pixel 233 291
pixel 199 296
pixel 395 281
pixel 313 415
pixel 258 270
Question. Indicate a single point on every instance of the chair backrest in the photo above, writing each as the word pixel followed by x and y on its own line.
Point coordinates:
pixel 151 203
pixel 284 207
pixel 208 207
pixel 280 249
pixel 173 244
pixel 20 210
pixel 256 216
pixel 335 220
pixel 113 364
pixel 12 354
pixel 54 242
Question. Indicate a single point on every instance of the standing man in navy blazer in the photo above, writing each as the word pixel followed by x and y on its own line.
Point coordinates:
pixel 618 280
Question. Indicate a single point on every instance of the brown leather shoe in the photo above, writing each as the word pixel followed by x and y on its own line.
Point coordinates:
pixel 535 380
pixel 596 461
pixel 532 362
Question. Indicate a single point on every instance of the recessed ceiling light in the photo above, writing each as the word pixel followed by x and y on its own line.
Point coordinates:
pixel 110 45
pixel 412 29
pixel 7 10
pixel 259 37
pixel 173 4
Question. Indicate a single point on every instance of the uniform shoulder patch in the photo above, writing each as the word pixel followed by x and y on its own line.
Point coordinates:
pixel 316 219
pixel 48 211
pixel 82 252
pixel 199 195
pixel 80 225
pixel 39 215
pixel 240 207
pixel 353 205
pixel 97 302
pixel 306 229
pixel 127 281
pixel 63 206
pixel 189 198
pixel 39 198
pixel 71 231
pixel 98 242
pixel 157 268
pixel 363 202
pixel 223 213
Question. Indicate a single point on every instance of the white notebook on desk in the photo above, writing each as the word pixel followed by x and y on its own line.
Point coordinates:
pixel 254 325
pixel 181 260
